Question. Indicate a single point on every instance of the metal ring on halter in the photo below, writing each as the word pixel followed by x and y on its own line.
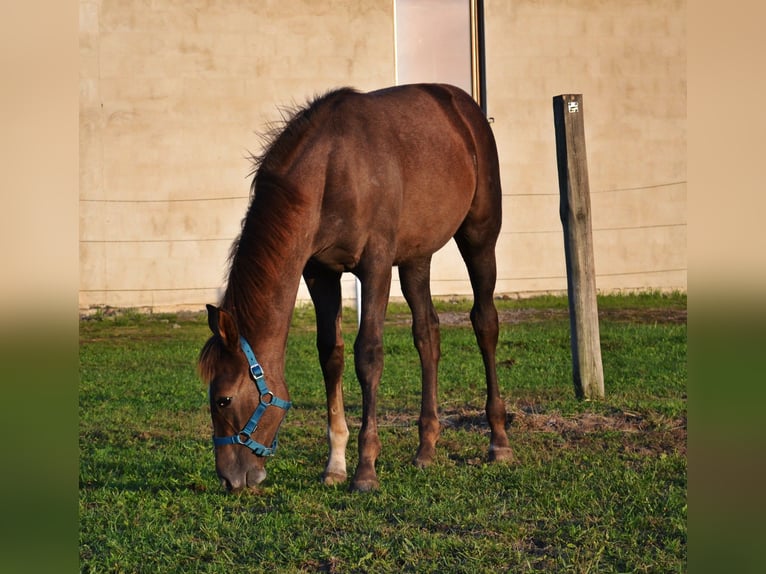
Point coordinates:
pixel 260 382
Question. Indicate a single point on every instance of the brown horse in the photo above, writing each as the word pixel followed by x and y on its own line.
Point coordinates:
pixel 360 183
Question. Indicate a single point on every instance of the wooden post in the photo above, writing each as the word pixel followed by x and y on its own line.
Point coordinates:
pixel 575 216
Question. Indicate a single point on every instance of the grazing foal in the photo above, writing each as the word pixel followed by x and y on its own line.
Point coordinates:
pixel 353 183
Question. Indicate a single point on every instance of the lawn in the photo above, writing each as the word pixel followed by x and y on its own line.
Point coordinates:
pixel 597 486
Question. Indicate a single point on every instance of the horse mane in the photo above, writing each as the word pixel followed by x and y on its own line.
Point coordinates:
pixel 277 210
pixel 257 256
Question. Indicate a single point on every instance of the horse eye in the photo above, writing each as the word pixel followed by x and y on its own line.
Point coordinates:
pixel 223 402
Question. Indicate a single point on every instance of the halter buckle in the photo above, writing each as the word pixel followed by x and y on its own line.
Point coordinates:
pixel 267 399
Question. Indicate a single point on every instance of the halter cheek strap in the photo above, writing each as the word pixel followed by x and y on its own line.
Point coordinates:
pixel 244 437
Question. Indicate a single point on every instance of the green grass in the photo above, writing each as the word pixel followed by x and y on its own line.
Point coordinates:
pixel 598 486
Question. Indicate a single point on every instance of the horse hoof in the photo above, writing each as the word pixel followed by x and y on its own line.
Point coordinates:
pixel 422 462
pixel 424 456
pixel 333 478
pixel 365 485
pixel 501 454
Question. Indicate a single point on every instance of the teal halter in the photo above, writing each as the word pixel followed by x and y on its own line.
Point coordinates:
pixel 268 399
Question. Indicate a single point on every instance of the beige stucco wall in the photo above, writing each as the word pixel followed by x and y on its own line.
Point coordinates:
pixel 173 94
pixel 628 59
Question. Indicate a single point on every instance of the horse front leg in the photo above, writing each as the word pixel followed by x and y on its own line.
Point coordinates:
pixel 337 429
pixel 325 291
pixel 368 360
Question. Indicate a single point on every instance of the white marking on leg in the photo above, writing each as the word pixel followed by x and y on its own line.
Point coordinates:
pixel 337 440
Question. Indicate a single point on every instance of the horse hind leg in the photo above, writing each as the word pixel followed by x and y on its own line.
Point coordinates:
pixel 479 257
pixel 415 282
pixel 325 292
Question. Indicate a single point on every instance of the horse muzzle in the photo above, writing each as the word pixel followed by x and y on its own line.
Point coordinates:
pixel 243 481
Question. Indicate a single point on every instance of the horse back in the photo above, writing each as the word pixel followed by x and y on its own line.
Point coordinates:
pixel 404 166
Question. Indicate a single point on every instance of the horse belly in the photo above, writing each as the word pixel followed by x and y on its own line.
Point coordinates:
pixel 337 258
pixel 433 209
pixel 424 238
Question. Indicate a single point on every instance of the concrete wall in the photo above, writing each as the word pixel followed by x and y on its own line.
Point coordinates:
pixel 628 59
pixel 174 93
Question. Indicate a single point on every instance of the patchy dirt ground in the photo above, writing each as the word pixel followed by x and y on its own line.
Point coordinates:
pixel 673 316
pixel 647 315
pixel 645 435
pixel 641 435
pixel 657 437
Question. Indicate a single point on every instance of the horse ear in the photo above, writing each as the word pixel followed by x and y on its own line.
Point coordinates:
pixel 221 323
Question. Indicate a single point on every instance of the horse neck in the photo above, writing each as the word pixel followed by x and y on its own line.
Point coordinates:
pixel 263 311
pixel 266 268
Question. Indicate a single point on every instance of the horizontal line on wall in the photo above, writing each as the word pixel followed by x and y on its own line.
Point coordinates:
pixel 616 274
pixel 200 240
pixel 532 277
pixel 177 289
pixel 596 191
pixel 658 226
pixel 241 197
pixel 535 232
pixel 153 290
pixel 632 228
pixel 189 200
pixel 640 187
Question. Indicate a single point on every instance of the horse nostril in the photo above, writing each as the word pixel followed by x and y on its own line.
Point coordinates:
pixel 230 486
pixel 256 476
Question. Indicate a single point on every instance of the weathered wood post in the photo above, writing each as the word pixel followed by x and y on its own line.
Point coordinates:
pixel 574 210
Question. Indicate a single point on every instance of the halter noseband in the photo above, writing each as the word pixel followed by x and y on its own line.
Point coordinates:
pixel 267 399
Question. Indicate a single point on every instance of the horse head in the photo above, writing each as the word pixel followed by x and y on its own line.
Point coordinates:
pixel 246 414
